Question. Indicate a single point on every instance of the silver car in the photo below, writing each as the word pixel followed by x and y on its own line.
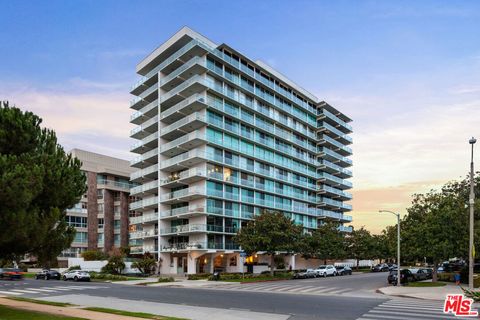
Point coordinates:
pixel 76 275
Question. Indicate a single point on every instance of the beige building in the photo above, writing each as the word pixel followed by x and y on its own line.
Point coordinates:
pixel 101 216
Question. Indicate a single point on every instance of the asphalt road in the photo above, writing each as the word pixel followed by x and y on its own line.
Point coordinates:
pixel 300 306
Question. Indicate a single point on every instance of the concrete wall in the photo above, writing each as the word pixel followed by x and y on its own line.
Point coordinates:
pixel 97 265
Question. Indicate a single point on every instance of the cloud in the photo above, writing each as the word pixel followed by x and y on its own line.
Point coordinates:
pixel 97 120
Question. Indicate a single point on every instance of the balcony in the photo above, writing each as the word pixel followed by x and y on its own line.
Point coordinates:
pixel 182 213
pixel 335 121
pixel 145 113
pixel 335 169
pixel 334 204
pixel 143 234
pixel 184 177
pixel 190 49
pixel 188 106
pixel 183 195
pixel 335 193
pixel 149 188
pixel 148 173
pixel 334 157
pixel 115 185
pixel 347 229
pixel 148 127
pixel 335 145
pixel 183 161
pixel 144 219
pixel 145 204
pixel 195 66
pixel 145 144
pixel 335 133
pixel 185 143
pixel 195 84
pixel 182 126
pixel 334 181
pixel 185 246
pixel 146 159
pixel 145 97
pixel 184 229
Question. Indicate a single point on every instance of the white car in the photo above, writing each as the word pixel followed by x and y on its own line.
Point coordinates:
pixel 326 270
pixel 76 275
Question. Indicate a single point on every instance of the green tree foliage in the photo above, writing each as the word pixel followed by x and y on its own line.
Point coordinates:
pixel 94 255
pixel 326 242
pixel 361 245
pixel 146 264
pixel 436 225
pixel 38 182
pixel 115 263
pixel 270 232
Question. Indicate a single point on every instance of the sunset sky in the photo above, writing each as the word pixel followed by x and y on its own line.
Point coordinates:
pixel 407 73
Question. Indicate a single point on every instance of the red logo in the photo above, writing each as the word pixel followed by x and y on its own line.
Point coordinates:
pixel 459 305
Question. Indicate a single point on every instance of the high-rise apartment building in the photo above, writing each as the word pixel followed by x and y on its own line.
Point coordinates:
pixel 220 138
pixel 101 217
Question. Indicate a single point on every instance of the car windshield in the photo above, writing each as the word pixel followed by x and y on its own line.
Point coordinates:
pixel 338 268
pixel 322 267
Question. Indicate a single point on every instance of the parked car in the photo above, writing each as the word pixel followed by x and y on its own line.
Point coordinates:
pixel 326 270
pixel 419 274
pixel 76 275
pixel 383 267
pixel 406 276
pixel 11 273
pixel 392 266
pixel 428 271
pixel 48 274
pixel 343 270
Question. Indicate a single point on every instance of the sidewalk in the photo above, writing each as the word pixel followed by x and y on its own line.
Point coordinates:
pixel 63 311
pixel 427 293
pixel 166 309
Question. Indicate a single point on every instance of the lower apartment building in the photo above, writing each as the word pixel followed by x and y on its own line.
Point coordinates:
pixel 220 139
pixel 101 216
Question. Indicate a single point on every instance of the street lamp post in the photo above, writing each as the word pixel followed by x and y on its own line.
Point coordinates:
pixel 471 203
pixel 398 243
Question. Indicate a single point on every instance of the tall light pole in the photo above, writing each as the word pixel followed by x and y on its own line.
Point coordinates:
pixel 471 202
pixel 398 243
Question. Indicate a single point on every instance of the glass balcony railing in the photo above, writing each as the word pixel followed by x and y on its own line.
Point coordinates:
pixel 183 139
pixel 140 173
pixel 335 131
pixel 329 177
pixel 153 185
pixel 144 125
pixel 144 203
pixel 336 119
pixel 144 110
pixel 179 106
pixel 148 139
pixel 335 155
pixel 348 229
pixel 182 211
pixel 336 144
pixel 197 116
pixel 147 155
pixel 196 60
pixel 194 172
pixel 183 193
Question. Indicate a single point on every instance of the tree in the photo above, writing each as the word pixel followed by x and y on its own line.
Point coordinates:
pixel 360 245
pixel 115 264
pixel 326 242
pixel 436 225
pixel 94 255
pixel 38 182
pixel 146 264
pixel 271 232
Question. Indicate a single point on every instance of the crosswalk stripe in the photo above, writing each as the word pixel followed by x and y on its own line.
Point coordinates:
pixel 413 308
pixel 41 290
pixel 61 289
pixel 311 289
pixel 9 292
pixel 442 316
pixel 295 289
pixel 24 291
pixel 328 290
pixel 413 303
pixel 342 291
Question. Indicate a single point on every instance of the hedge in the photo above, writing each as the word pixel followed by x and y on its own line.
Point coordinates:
pixel 107 276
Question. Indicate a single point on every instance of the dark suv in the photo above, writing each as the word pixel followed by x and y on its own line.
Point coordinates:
pixel 48 274
pixel 406 276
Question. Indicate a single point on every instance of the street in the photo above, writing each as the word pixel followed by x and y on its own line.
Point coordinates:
pixel 350 297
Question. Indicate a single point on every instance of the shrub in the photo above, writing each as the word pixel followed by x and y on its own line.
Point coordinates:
pixel 146 264
pixel 166 279
pixel 237 276
pixel 94 255
pixel 198 276
pixel 115 263
pixel 106 276
pixel 74 268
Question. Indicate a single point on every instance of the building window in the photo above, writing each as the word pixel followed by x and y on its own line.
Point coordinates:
pixel 100 208
pixel 77 222
pixel 101 223
pixel 80 237
pixel 100 194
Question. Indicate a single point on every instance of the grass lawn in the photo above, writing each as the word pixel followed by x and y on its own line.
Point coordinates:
pixel 7 313
pixel 50 303
pixel 131 314
pixel 426 284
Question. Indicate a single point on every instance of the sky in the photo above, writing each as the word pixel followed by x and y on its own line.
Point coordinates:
pixel 406 72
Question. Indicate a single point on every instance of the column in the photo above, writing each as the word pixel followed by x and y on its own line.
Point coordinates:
pixel 108 217
pixel 124 219
pixel 92 211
